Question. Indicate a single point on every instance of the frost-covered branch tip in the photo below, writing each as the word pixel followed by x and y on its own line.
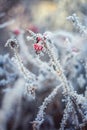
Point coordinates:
pixel 29 77
pixel 75 20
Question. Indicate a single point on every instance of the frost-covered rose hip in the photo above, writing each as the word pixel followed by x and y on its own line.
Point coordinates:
pixel 37 47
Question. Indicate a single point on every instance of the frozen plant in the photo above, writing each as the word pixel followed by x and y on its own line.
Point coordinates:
pixel 43 44
pixel 75 20
pixel 58 72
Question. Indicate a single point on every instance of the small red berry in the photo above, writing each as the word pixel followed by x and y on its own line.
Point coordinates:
pixel 38 47
pixel 16 32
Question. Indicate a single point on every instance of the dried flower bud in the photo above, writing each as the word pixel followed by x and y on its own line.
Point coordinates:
pixel 12 43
